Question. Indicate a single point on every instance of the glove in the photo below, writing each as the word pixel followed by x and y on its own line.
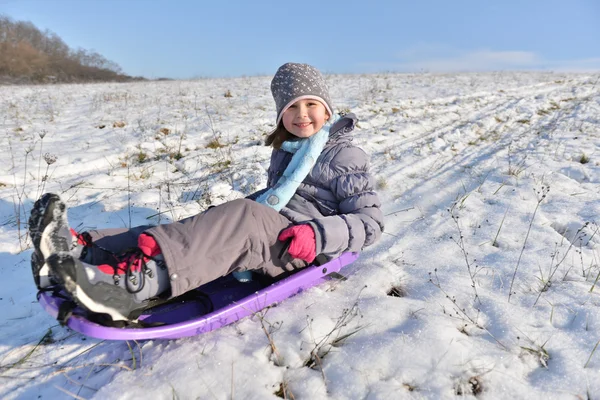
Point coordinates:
pixel 303 244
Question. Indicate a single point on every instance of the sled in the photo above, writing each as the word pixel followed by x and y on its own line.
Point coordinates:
pixel 209 307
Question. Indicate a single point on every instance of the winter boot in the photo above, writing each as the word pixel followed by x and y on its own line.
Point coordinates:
pixel 122 289
pixel 48 224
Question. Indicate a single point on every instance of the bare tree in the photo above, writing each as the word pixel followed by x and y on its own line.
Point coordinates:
pixel 28 54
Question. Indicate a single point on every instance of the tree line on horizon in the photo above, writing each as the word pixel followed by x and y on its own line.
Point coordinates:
pixel 28 55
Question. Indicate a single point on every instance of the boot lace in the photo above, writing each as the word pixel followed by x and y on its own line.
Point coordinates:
pixel 135 269
pixel 135 261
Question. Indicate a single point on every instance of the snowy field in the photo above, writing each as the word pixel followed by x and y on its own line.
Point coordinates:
pixel 485 284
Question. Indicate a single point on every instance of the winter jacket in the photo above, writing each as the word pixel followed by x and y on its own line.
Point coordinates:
pixel 337 198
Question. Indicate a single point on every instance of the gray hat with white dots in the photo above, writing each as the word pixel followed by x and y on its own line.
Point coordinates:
pixel 293 82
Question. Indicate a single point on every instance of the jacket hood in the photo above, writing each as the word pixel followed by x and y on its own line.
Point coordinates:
pixel 342 127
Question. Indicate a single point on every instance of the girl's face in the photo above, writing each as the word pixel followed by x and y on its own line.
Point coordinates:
pixel 305 117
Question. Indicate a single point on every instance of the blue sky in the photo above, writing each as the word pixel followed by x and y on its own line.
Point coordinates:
pixel 185 39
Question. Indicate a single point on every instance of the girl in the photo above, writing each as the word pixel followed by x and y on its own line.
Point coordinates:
pixel 319 200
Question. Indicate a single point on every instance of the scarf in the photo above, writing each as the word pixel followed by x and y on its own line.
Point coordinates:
pixel 306 152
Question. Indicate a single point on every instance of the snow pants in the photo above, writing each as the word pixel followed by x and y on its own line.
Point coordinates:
pixel 238 235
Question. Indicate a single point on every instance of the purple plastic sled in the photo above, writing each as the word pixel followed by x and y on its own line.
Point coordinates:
pixel 218 303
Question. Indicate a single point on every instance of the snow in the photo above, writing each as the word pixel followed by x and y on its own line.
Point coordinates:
pixel 491 188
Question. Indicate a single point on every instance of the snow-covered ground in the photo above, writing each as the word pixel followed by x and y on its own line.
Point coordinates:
pixel 485 283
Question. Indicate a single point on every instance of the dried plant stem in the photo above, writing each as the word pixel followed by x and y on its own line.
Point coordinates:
pixel 133 359
pixel 593 234
pixel 85 351
pixel 287 393
pixel 81 385
pixel 26 356
pixel 232 386
pixel 320 364
pixel 324 346
pixel 591 354
pixel 561 261
pixel 67 369
pixel 595 282
pixel 44 179
pixel 544 192
pixel 495 242
pixel 461 244
pixel 40 192
pixel 129 195
pixel 226 159
pixel 268 334
pixel 461 311
pixel 19 206
pixel 73 395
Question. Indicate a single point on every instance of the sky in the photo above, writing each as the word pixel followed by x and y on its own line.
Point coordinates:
pixel 227 38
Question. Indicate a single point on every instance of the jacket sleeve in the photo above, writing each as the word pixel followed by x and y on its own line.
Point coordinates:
pixel 359 222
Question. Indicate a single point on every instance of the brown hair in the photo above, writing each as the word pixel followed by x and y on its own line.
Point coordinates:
pixel 278 136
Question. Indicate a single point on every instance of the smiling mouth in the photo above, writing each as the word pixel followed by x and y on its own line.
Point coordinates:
pixel 303 125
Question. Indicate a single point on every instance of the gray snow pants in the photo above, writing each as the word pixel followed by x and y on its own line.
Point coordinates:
pixel 238 235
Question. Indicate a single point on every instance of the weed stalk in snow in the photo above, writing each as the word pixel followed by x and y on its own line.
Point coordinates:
pixel 461 244
pixel 591 354
pixel 461 312
pixel 332 339
pixel 578 236
pixel 226 159
pixel 49 159
pixel 595 282
pixel 42 134
pixel 495 241
pixel 284 390
pixel 543 192
pixel 19 206
pixel 268 332
pixel 129 195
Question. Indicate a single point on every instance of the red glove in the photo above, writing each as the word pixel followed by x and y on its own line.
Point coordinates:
pixel 303 244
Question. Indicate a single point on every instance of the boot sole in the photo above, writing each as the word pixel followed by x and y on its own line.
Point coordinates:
pixel 44 212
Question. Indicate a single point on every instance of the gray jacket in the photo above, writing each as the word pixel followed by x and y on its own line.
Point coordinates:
pixel 337 198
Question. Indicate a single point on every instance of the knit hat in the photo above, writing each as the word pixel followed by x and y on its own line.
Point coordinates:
pixel 293 82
